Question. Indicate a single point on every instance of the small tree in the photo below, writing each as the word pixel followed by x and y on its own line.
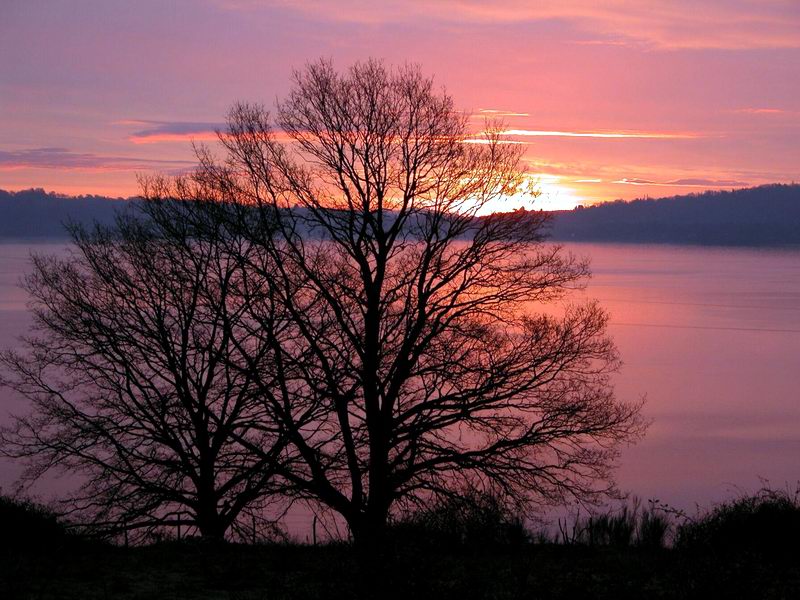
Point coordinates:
pixel 414 329
pixel 132 379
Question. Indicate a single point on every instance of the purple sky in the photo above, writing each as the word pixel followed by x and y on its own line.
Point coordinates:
pixel 614 98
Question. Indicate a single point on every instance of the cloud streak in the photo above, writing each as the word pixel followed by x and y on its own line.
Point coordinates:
pixel 761 111
pixel 494 112
pixel 65 159
pixel 686 182
pixel 601 134
pixel 172 131
pixel 479 138
pixel 666 24
pixel 157 132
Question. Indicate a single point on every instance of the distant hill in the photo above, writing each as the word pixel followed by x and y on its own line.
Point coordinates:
pixel 768 215
pixel 762 216
pixel 36 214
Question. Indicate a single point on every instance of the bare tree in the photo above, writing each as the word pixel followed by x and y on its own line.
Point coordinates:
pixel 132 377
pixel 335 310
pixel 417 326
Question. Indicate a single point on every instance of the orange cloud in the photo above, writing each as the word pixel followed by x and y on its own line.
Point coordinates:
pixel 158 138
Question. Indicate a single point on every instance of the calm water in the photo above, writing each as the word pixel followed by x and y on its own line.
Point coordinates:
pixel 710 336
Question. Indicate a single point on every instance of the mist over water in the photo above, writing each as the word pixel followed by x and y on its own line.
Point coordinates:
pixel 711 336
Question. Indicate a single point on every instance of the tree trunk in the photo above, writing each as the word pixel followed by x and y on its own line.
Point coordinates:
pixel 210 525
pixel 209 520
pixel 370 532
pixel 207 517
pixel 370 529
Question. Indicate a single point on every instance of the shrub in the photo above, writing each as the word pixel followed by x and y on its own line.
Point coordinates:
pixel 27 525
pixel 609 529
pixel 653 528
pixel 628 525
pixel 766 523
pixel 475 520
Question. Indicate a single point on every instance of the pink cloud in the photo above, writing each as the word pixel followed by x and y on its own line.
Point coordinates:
pixel 663 23
pixel 761 111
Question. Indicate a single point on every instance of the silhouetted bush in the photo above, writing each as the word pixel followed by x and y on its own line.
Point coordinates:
pixel 653 528
pixel 766 523
pixel 629 525
pixel 610 529
pixel 476 520
pixel 27 525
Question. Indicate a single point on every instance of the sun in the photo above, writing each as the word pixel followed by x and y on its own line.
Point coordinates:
pixel 550 194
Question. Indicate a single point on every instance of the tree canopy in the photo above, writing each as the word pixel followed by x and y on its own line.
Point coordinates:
pixel 393 339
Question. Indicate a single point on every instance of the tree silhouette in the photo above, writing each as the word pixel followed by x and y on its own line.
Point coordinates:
pixel 133 383
pixel 330 312
pixel 412 319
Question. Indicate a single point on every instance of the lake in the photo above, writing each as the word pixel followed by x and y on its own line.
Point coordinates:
pixel 711 336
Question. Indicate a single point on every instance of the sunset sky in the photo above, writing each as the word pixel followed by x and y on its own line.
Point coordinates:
pixel 613 99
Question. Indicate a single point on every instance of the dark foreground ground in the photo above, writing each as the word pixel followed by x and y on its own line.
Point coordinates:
pixel 748 548
pixel 199 570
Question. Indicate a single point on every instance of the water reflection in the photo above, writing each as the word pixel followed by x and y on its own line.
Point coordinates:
pixel 711 336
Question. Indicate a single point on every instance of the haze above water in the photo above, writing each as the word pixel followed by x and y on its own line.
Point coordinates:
pixel 711 336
